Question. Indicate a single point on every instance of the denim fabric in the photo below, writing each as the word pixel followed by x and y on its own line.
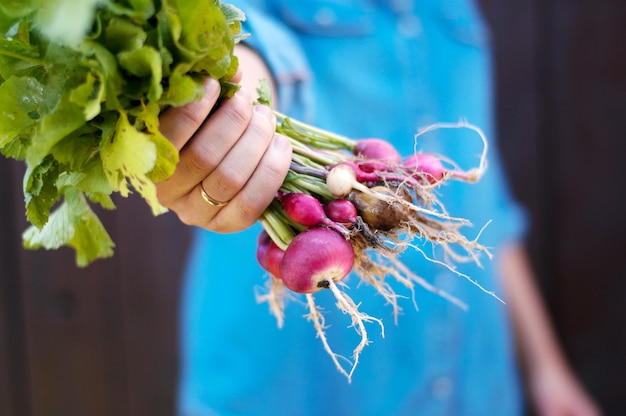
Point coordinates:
pixel 364 69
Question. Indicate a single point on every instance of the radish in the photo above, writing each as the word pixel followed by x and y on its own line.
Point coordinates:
pixel 341 211
pixel 426 166
pixel 374 148
pixel 303 209
pixel 306 210
pixel 314 258
pixel 263 242
pixel 372 166
pixel 341 179
pixel 379 214
pixel 268 254
pixel 273 259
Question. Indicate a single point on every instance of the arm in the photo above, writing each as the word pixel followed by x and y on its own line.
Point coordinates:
pixel 553 387
pixel 232 153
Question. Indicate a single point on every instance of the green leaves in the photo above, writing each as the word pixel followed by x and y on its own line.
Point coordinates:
pixel 23 101
pixel 73 224
pixel 80 101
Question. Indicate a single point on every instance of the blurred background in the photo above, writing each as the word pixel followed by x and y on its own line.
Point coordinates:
pixel 103 340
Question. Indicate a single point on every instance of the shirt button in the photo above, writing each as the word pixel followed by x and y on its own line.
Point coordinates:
pixel 442 388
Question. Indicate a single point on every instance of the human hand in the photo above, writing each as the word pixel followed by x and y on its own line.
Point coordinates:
pixel 556 392
pixel 233 156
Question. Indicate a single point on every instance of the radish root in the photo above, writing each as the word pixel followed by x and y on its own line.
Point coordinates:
pixel 275 296
pixel 358 320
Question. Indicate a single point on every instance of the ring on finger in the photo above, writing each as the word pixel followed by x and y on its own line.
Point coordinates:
pixel 209 200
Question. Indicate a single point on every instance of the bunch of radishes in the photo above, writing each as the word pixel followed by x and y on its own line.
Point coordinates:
pixel 88 129
pixel 354 205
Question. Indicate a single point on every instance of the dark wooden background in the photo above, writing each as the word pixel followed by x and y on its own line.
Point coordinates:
pixel 103 340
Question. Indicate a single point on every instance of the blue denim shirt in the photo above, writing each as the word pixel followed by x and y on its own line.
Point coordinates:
pixel 364 68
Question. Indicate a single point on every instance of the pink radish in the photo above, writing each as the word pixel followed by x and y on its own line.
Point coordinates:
pixel 263 242
pixel 315 257
pixel 370 166
pixel 303 208
pixel 427 166
pixel 374 148
pixel 306 210
pixel 341 211
pixel 273 259
pixel 268 254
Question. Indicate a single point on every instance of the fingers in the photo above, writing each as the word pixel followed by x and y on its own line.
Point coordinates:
pixel 248 204
pixel 234 155
pixel 179 124
pixel 235 168
pixel 207 145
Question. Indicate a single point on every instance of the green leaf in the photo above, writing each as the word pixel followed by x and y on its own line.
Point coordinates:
pixel 130 155
pixel 167 154
pixel 123 35
pixel 265 93
pixel 18 8
pixel 103 65
pixel 75 150
pixel 89 95
pixel 16 148
pixel 73 224
pixel 144 62
pixel 23 102
pixel 95 183
pixel 183 88
pixel 203 39
pixel 138 10
pixel 66 118
pixel 40 191
pixel 232 14
pixel 17 56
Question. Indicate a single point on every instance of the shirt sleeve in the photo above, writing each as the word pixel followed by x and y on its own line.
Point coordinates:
pixel 284 56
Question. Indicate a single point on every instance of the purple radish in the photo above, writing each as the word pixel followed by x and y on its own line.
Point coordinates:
pixel 374 148
pixel 341 211
pixel 263 242
pixel 273 258
pixel 303 208
pixel 315 257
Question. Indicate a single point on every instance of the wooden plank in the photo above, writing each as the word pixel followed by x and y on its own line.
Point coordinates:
pixel 588 72
pixel 14 377
pixel 75 338
pixel 151 254
pixel 74 332
pixel 561 65
pixel 519 119
pixel 100 340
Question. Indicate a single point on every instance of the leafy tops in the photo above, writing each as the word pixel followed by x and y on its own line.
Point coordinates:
pixel 81 87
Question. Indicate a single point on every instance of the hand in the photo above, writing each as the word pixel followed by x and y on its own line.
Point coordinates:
pixel 233 155
pixel 556 392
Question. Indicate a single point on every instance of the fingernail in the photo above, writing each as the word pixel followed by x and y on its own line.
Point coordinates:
pixel 281 143
pixel 211 86
pixel 264 111
pixel 244 95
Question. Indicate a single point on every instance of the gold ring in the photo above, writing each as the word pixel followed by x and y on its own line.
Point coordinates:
pixel 209 200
